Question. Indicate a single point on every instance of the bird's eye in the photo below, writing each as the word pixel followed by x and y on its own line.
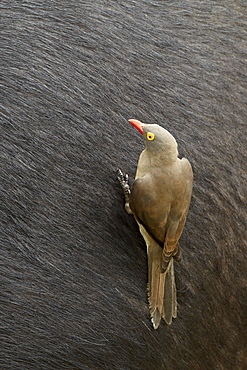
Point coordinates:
pixel 150 136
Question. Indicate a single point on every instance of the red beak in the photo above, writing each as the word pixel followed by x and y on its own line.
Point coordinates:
pixel 137 124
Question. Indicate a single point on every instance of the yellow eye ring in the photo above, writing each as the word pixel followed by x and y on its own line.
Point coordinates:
pixel 150 136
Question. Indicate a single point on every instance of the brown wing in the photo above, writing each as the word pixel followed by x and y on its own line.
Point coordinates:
pixel 160 203
pixel 178 212
pixel 148 209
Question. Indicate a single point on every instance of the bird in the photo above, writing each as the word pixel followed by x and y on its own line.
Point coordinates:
pixel 159 200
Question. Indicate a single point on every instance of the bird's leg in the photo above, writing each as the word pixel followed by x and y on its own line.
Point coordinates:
pixel 123 180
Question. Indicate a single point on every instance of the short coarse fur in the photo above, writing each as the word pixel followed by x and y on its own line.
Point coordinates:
pixel 73 270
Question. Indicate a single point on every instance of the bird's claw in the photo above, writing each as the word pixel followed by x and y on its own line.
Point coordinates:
pixel 123 180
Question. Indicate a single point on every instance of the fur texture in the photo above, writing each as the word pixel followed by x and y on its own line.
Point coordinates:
pixel 73 263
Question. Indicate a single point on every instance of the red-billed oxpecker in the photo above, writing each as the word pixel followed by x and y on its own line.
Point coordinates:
pixel 159 200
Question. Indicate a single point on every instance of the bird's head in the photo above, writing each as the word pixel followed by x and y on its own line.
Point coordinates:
pixel 157 139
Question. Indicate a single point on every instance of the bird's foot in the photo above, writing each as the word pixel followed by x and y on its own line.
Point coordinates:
pixel 123 180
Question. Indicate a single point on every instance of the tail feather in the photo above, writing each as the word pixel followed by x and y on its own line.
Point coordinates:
pixel 155 318
pixel 170 295
pixel 161 283
pixel 161 288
